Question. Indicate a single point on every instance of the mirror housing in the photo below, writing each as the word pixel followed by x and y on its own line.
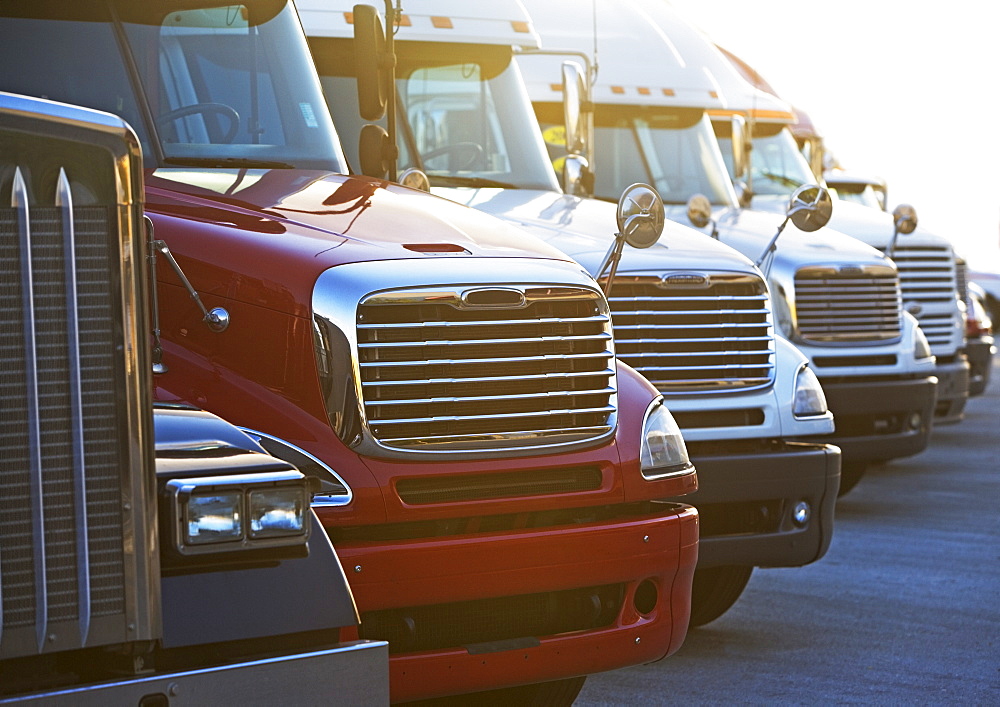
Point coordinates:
pixel 741 147
pixel 370 60
pixel 574 84
pixel 744 194
pixel 640 216
pixel 810 207
pixel 904 218
pixel 373 151
pixel 699 210
pixel 578 180
pixel 415 179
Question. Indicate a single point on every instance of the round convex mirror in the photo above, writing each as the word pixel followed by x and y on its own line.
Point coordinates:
pixel 415 179
pixel 640 215
pixel 699 210
pixel 905 218
pixel 810 207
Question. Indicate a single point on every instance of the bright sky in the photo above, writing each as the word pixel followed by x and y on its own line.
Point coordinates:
pixel 906 89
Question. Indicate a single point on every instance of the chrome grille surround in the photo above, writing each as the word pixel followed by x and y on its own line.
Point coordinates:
pixel 852 304
pixel 928 278
pixel 695 333
pixel 483 369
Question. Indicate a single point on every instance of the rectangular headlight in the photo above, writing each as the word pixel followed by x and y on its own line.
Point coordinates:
pixel 213 518
pixel 277 512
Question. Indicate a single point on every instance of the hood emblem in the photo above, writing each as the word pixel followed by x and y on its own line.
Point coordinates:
pixel 494 298
pixel 684 279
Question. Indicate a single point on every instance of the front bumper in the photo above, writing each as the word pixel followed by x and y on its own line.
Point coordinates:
pixel 745 500
pixel 880 419
pixel 354 673
pixel 426 587
pixel 953 389
pixel 980 353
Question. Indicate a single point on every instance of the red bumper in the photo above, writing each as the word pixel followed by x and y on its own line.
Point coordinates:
pixel 655 551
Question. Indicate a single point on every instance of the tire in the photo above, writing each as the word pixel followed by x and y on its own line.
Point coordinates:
pixel 850 475
pixel 715 590
pixel 557 693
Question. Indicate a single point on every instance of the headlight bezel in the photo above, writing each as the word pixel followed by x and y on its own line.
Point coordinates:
pixel 657 420
pixel 185 494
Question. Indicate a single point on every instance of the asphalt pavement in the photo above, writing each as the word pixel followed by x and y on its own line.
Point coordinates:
pixel 903 609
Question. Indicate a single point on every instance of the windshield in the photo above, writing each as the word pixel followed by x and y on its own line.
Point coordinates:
pixel 463 116
pixel 673 150
pixel 863 194
pixel 777 166
pixel 202 84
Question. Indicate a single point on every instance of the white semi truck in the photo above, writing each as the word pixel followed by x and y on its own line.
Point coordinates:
pixel 926 261
pixel 835 298
pixel 691 314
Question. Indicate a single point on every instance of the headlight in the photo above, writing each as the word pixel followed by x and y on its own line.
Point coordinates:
pixel 809 396
pixel 921 347
pixel 663 450
pixel 214 514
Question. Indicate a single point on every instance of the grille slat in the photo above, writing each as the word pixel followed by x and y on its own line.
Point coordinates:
pixel 847 306
pixel 929 278
pixel 440 375
pixel 713 336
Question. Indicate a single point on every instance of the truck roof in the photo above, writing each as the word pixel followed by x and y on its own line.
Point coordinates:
pixel 500 22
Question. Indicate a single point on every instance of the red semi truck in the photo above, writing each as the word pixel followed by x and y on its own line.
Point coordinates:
pixel 490 475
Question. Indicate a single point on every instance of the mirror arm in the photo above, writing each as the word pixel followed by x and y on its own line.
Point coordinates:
pixel 218 318
pixel 391 16
pixel 158 365
pixel 891 248
pixel 772 245
pixel 613 257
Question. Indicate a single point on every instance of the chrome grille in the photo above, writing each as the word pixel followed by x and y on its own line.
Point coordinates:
pixel 711 335
pixel 61 444
pixel 928 278
pixel 487 369
pixel 850 304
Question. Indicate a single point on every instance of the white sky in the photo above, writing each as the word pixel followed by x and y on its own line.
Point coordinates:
pixel 908 90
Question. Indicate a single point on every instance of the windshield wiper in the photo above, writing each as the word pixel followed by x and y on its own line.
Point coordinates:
pixel 781 179
pixel 450 181
pixel 238 162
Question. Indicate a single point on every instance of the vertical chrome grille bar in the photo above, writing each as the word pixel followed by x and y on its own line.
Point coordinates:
pixel 64 201
pixel 19 200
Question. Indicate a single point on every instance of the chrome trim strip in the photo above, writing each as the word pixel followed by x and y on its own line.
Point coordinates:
pixel 577 431
pixel 19 200
pixel 483 398
pixel 490 379
pixel 64 201
pixel 439 361
pixel 750 325
pixel 501 416
pixel 483 322
pixel 482 342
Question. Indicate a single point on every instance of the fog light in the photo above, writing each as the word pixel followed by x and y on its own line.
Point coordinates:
pixel 916 420
pixel 801 513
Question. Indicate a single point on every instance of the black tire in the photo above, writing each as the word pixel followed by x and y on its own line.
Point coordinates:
pixel 850 474
pixel 715 590
pixel 557 693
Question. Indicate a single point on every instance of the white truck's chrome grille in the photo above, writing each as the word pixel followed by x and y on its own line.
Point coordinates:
pixel 847 304
pixel 708 333
pixel 510 367
pixel 928 279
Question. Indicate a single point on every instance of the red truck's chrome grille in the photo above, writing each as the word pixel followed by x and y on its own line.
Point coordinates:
pixel 847 304
pixel 711 335
pixel 526 366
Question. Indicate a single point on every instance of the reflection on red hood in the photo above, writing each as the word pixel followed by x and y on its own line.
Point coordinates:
pixel 227 226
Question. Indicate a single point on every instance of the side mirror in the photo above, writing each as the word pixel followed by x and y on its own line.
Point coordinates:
pixel 369 62
pixel 574 95
pixel 904 220
pixel 415 179
pixel 741 148
pixel 640 216
pixel 373 151
pixel 699 210
pixel 810 207
pixel 640 224
pixel 577 177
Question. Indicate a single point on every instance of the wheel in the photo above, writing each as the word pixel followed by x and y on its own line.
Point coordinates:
pixel 715 590
pixel 557 693
pixel 473 153
pixel 850 474
pixel 204 109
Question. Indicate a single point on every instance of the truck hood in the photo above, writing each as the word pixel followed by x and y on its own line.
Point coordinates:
pixel 867 224
pixel 750 230
pixel 583 229
pixel 282 227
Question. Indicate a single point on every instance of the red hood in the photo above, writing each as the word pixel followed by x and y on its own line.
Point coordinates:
pixel 232 229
